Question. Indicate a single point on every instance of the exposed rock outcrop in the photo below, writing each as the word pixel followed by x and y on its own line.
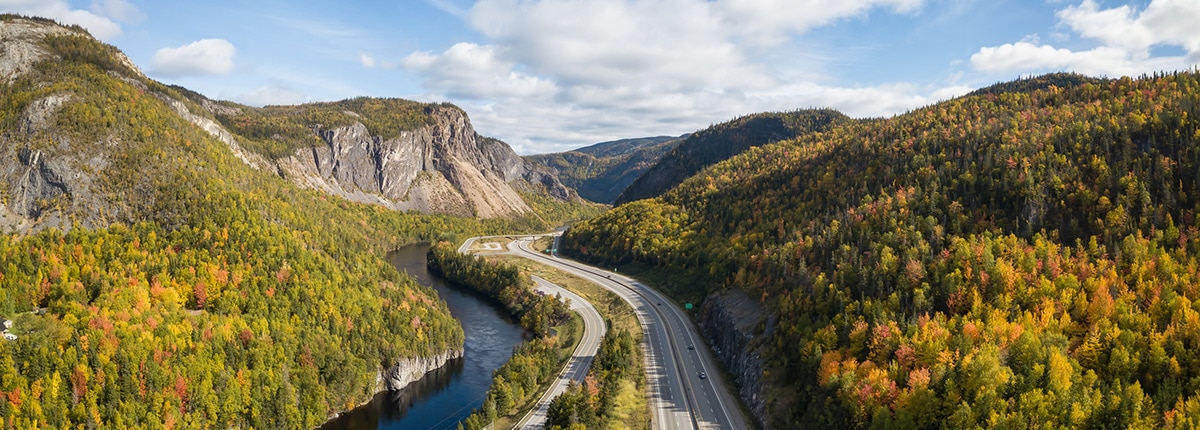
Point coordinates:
pixel 445 167
pixel 20 51
pixel 410 370
pixel 732 321
pixel 216 130
pixel 37 185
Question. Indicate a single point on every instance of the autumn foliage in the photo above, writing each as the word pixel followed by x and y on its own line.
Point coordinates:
pixel 1024 256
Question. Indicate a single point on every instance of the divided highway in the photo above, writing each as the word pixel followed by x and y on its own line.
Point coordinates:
pixel 685 387
pixel 581 360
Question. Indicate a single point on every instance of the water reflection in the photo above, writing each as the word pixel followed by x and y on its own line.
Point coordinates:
pixel 444 397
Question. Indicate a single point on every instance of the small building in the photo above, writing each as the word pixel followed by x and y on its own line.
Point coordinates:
pixel 5 324
pixel 9 336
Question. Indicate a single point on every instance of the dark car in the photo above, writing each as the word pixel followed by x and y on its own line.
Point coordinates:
pixel 691 346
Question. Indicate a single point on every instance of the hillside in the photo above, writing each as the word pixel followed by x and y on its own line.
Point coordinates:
pixel 174 277
pixel 1024 257
pixel 601 171
pixel 719 142
pixel 396 153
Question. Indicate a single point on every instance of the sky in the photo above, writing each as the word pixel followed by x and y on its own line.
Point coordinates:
pixel 554 75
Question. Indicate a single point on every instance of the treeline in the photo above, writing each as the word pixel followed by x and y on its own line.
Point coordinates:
pixel 193 290
pixel 719 142
pixel 593 403
pixel 601 171
pixel 1022 257
pixel 144 327
pixel 505 283
pixel 534 362
pixel 515 383
pixel 278 131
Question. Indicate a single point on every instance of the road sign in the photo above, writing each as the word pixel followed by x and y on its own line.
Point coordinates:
pixel 688 306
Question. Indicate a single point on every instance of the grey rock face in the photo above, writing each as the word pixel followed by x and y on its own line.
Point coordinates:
pixel 20 48
pixel 730 321
pixel 37 185
pixel 407 371
pixel 445 167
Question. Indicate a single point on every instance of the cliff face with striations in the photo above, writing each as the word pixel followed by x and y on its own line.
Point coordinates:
pixel 445 167
pixel 410 370
pixel 731 321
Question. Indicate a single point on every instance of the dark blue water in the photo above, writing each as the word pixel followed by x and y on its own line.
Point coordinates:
pixel 444 397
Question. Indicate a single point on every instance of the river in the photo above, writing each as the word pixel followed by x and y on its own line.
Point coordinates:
pixel 444 397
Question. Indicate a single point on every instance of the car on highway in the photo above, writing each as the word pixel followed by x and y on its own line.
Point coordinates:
pixel 691 346
pixel 703 375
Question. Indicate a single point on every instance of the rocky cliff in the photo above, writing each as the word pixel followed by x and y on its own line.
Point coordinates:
pixel 54 178
pixel 445 167
pixel 410 370
pixel 733 322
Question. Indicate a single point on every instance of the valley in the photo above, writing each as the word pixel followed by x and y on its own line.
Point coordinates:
pixel 1024 254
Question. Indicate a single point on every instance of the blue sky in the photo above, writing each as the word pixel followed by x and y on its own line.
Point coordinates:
pixel 552 75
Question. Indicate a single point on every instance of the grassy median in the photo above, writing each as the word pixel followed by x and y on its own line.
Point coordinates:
pixel 632 409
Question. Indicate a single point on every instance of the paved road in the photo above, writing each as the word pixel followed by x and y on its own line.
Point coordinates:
pixel 680 398
pixel 577 366
pixel 581 360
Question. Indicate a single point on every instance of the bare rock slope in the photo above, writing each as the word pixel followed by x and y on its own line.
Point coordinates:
pixel 445 167
pixel 88 173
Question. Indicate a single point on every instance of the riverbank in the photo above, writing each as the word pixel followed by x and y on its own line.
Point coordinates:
pixel 448 394
pixel 630 407
pixel 534 362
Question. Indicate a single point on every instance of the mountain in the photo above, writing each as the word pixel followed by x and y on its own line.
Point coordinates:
pixel 601 171
pixel 396 153
pixel 163 269
pixel 721 141
pixel 1025 255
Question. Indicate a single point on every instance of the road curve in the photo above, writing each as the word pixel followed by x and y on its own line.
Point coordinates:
pixel 580 361
pixel 680 397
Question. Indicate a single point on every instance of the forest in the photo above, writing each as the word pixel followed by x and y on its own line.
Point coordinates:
pixel 189 289
pixel 721 141
pixel 593 403
pixel 278 131
pixel 503 282
pixel 600 172
pixel 534 362
pixel 1026 256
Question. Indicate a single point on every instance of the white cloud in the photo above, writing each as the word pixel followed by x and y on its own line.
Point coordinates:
pixel 367 61
pixel 98 25
pixel 370 62
pixel 683 43
pixel 202 57
pixel 1020 56
pixel 119 10
pixel 448 7
pixel 581 71
pixel 1125 37
pixel 273 94
pixel 473 72
pixel 772 20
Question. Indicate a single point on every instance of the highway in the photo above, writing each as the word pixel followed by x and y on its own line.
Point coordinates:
pixel 675 354
pixel 581 360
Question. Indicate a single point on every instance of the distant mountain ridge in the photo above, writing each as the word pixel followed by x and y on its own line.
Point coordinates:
pixel 601 171
pixel 719 142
